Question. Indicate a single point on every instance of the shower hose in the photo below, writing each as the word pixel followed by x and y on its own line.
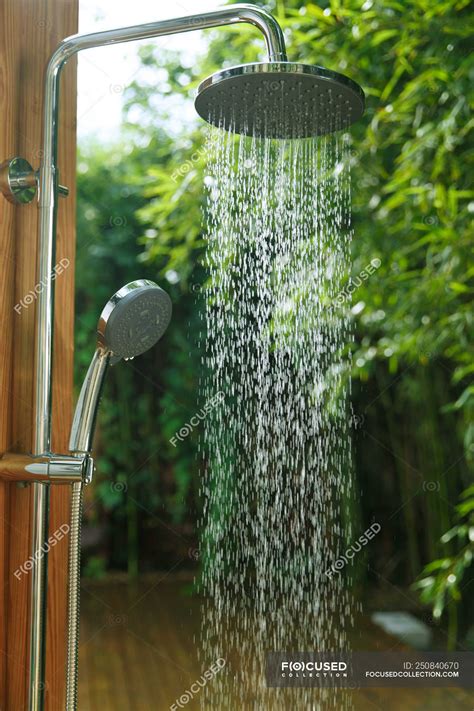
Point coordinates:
pixel 73 596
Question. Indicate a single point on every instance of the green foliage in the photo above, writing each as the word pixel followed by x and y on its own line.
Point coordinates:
pixel 95 567
pixel 441 581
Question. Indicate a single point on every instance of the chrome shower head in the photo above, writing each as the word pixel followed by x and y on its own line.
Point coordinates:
pixel 134 319
pixel 280 100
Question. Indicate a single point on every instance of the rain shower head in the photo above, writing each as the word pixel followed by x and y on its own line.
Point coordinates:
pixel 280 100
pixel 134 319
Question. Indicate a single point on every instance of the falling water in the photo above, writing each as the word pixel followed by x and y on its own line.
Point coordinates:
pixel 277 487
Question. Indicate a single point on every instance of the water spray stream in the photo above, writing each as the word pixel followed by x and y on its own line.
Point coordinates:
pixel 278 485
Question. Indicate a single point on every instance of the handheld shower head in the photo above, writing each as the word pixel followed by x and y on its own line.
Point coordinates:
pixel 280 100
pixel 132 321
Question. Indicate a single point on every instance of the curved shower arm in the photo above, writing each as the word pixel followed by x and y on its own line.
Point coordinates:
pixel 48 179
pixel 227 15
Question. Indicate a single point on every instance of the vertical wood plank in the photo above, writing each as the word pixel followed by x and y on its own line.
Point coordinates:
pixel 29 32
pixel 8 111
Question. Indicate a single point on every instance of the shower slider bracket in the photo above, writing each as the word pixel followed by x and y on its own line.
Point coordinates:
pixel 52 469
pixel 19 181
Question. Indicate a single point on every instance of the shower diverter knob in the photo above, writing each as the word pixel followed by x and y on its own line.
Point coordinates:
pixel 19 182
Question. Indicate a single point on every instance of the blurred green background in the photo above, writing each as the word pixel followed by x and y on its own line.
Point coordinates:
pixel 139 216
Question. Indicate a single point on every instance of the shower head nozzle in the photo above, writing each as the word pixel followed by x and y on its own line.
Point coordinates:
pixel 134 319
pixel 280 100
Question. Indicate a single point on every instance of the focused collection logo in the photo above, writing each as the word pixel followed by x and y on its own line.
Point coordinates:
pixel 313 668
pixel 352 551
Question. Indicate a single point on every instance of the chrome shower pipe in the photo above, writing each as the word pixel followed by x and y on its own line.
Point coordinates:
pixel 48 193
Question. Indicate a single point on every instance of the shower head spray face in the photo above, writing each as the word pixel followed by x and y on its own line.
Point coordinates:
pixel 280 100
pixel 134 319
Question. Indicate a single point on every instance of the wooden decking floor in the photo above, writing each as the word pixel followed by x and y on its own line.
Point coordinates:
pixel 138 653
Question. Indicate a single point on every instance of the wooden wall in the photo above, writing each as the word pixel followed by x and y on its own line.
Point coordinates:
pixel 29 32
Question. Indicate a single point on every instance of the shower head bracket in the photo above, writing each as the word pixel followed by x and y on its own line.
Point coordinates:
pixel 51 469
pixel 19 181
